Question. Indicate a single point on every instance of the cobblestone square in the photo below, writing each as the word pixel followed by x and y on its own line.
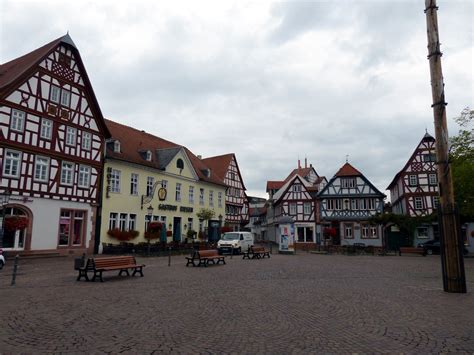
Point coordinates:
pixel 302 303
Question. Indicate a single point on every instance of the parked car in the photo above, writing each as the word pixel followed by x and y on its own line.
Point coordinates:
pixel 2 259
pixel 235 241
pixel 434 247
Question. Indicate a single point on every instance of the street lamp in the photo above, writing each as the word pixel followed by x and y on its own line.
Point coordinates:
pixel 149 211
pixel 4 199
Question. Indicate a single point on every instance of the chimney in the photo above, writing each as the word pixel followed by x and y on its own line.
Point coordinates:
pixel 299 164
pixel 305 162
pixel 310 165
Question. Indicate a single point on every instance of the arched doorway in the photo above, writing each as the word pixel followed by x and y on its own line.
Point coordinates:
pixel 16 228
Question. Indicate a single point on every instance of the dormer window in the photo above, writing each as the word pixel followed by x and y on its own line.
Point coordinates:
pixel 116 146
pixel 180 164
pixel 148 155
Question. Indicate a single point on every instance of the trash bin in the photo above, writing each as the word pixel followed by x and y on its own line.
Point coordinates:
pixel 78 263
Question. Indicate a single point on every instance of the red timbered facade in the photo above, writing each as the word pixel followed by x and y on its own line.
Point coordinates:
pixel 296 197
pixel 51 150
pixel 347 203
pixel 236 204
pixel 414 189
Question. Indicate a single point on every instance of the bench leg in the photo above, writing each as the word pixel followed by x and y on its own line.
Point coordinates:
pixel 138 270
pixel 82 273
pixel 99 274
pixel 124 270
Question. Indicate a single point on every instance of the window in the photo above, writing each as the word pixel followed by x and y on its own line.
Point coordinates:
pixel 54 93
pixel 219 199
pixel 330 205
pixel 422 232
pixel 296 188
pixel 201 197
pixel 191 194
pixel 84 178
pixel 190 223
pixel 117 146
pixel 150 181
pixel 348 231
pixel 178 192
pixel 71 227
pixel 67 173
pixel 370 204
pixel 307 208
pixel 354 204
pixel 211 198
pixel 232 175
pixel 429 157
pixel 46 129
pixel 373 232
pixel 148 155
pixel 134 184
pixel 304 234
pixel 71 136
pixel 41 169
pixel 17 122
pixel 413 180
pixel 164 184
pixel 65 98
pixel 113 219
pixel 180 164
pixel 348 182
pixel 433 180
pixel 338 204
pixel 132 222
pixel 11 166
pixel 123 221
pixel 86 140
pixel 292 209
pixel 115 181
pixel 418 203
pixel 365 231
pixel 435 202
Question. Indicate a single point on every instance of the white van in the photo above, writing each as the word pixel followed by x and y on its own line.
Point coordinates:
pixel 236 241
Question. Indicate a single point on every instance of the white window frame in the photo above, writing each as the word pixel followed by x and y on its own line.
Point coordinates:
pixel 67 173
pixel 348 183
pixel 201 197
pixel 113 219
pixel 365 232
pixel 17 120
pixel 84 176
pixel 191 194
pixel 150 181
pixel 132 222
pixel 422 236
pixel 219 199
pixel 71 136
pixel 296 188
pixel 12 161
pixel 115 177
pixel 86 142
pixel 373 232
pixel 148 155
pixel 116 146
pixel 55 93
pixel 292 209
pixel 134 184
pixel 123 221
pixel 418 203
pixel 348 231
pixel 65 98
pixel 433 179
pixel 307 208
pixel 413 180
pixel 178 192
pixel 435 202
pixel 211 198
pixel 46 129
pixel 41 169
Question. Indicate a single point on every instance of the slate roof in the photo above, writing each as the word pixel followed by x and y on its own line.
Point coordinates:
pixel 133 143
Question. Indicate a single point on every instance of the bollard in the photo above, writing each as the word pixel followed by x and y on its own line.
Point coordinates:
pixel 271 248
pixel 15 268
pixel 231 251
pixel 169 256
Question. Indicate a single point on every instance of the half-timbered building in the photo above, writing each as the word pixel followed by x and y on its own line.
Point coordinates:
pixel 296 197
pixel 414 189
pixel 236 204
pixel 52 137
pixel 346 203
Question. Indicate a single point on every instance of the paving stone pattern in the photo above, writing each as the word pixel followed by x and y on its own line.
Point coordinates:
pixel 302 303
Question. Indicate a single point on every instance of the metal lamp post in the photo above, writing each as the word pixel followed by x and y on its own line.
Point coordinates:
pixel 4 199
pixel 149 211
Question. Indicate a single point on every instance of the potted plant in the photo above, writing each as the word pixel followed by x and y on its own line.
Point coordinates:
pixel 154 230
pixel 123 236
pixel 14 223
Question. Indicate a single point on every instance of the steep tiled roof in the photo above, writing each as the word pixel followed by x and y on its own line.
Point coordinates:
pixel 348 170
pixel 274 185
pixel 303 172
pixel 133 143
pixel 219 164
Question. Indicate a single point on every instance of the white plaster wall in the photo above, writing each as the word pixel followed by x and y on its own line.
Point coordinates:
pixel 45 230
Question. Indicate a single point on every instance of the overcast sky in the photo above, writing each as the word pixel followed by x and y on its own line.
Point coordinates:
pixel 269 81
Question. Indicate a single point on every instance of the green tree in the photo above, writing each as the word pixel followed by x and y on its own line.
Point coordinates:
pixel 462 164
pixel 205 214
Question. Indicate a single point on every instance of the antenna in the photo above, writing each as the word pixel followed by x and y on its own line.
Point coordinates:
pixel 347 158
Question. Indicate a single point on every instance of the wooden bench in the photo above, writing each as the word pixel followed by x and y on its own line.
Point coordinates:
pixel 110 263
pixel 204 257
pixel 256 252
pixel 411 250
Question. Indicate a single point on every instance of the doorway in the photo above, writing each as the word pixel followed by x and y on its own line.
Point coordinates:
pixel 16 226
pixel 177 229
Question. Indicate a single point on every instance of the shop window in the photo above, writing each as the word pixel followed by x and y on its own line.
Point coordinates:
pixel 71 227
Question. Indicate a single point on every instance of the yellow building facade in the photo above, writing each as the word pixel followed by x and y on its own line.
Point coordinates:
pixel 149 179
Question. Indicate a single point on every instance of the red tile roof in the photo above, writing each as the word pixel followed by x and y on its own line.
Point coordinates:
pixel 300 171
pixel 348 170
pixel 274 185
pixel 133 142
pixel 219 164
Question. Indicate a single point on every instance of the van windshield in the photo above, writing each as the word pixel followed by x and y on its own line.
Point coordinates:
pixel 230 236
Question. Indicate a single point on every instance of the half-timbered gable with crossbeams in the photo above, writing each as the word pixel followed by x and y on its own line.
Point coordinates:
pixel 414 190
pixel 51 128
pixel 226 167
pixel 295 200
pixel 347 202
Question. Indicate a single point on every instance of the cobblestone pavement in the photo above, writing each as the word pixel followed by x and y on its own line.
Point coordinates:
pixel 301 303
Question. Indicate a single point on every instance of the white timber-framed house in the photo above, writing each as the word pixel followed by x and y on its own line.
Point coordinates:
pixel 52 136
pixel 414 189
pixel 347 203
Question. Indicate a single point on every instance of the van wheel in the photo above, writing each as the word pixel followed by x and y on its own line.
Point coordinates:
pixel 1 265
pixel 239 251
pixel 429 252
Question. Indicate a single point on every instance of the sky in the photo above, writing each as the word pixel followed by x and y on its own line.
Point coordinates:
pixel 272 82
